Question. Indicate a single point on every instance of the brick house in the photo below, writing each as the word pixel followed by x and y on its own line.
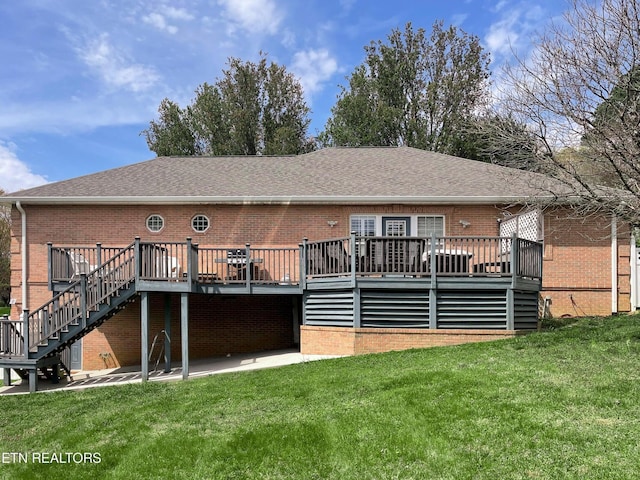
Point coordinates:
pixel 343 250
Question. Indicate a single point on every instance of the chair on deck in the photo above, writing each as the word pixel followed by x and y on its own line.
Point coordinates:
pixel 416 249
pixel 168 267
pixel 79 264
pixel 337 258
pixel 374 258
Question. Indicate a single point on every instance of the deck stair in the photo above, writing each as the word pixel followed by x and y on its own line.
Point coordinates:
pixel 37 341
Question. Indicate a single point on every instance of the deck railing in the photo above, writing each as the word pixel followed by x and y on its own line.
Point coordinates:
pixel 329 258
pixel 529 259
pixel 72 305
pixel 421 256
pixel 164 261
pixel 266 266
pixel 11 340
pixel 357 256
pixel 68 263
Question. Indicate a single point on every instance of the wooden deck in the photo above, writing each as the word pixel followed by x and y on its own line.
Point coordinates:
pixel 350 282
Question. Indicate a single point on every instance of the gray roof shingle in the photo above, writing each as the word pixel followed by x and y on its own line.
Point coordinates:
pixel 331 175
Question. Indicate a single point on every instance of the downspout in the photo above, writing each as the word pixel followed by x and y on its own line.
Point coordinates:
pixel 614 264
pixel 24 255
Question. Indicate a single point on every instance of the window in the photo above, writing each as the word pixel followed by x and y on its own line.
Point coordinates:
pixel 200 223
pixel 430 224
pixel 364 225
pixel 155 223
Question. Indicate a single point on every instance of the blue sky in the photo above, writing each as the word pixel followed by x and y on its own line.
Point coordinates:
pixel 82 78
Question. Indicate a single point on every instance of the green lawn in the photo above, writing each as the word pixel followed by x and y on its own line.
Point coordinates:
pixel 560 404
pixel 5 310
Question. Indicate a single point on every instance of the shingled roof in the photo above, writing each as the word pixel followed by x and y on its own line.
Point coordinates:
pixel 331 175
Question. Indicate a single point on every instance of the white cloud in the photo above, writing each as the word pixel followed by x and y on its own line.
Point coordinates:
pixel 459 18
pixel 514 28
pixel 313 67
pixel 114 68
pixel 253 16
pixel 158 21
pixel 503 34
pixel 177 13
pixel 15 174
pixel 63 116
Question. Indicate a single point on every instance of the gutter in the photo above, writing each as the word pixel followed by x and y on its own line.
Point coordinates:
pixel 23 223
pixel 273 200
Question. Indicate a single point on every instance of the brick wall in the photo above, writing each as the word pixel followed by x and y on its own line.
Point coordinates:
pixel 356 341
pixel 577 273
pixel 217 326
pixel 231 225
pixel 577 264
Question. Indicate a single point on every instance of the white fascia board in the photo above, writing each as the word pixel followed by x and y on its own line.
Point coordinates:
pixel 267 200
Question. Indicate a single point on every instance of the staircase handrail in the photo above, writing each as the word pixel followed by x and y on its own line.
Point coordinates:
pixel 72 305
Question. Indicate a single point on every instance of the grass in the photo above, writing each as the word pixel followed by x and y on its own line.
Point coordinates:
pixel 5 311
pixel 563 403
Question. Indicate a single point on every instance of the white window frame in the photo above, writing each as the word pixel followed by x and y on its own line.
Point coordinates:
pixel 428 234
pixel 363 219
pixel 201 217
pixel 154 217
pixel 377 220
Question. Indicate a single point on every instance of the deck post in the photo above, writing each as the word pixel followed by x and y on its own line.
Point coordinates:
pixel 83 298
pixel 167 331
pixel 99 263
pixel 352 256
pixel 190 264
pixel 433 292
pixel 33 380
pixel 50 266
pixel 295 313
pixel 7 377
pixel 137 258
pixel 184 331
pixel 248 267
pixel 144 336
pixel 303 264
pixel 515 260
pixel 25 332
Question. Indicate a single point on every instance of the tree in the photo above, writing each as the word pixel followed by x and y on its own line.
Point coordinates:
pixel 412 90
pixel 254 109
pixel 500 139
pixel 171 134
pixel 580 88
